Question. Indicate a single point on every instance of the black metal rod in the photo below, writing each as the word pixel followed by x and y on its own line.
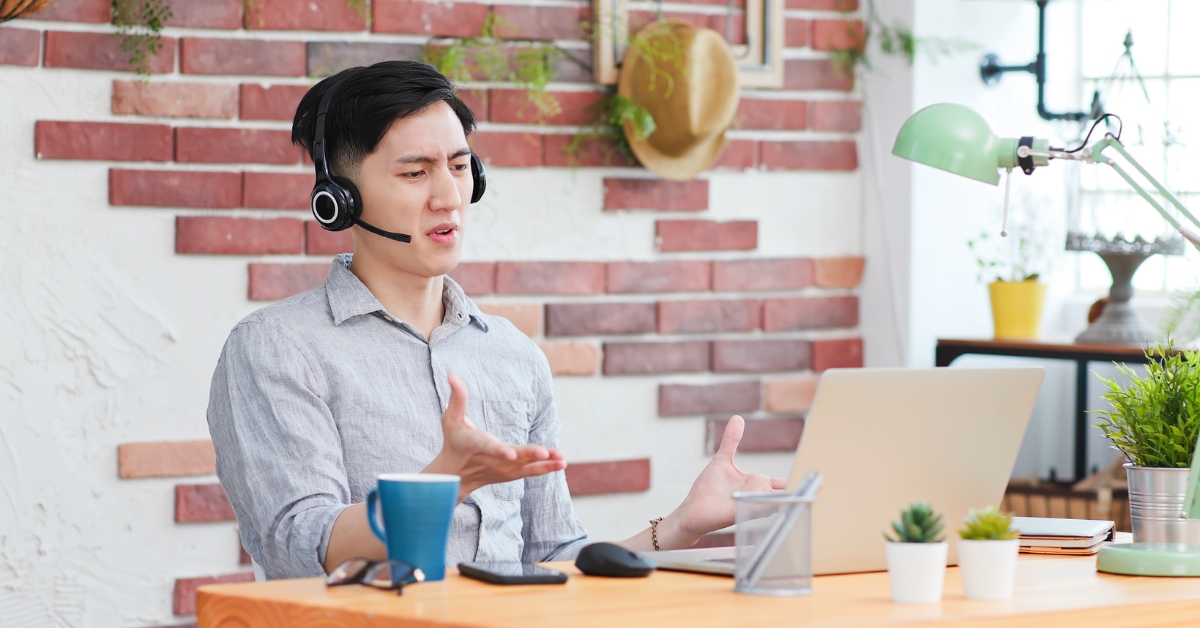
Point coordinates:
pixel 1081 419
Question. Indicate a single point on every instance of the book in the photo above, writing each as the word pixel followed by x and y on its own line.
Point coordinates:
pixel 1076 534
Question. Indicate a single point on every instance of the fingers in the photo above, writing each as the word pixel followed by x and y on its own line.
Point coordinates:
pixel 778 483
pixel 456 411
pixel 540 468
pixel 731 438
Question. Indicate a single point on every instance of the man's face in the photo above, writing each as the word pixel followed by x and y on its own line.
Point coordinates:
pixel 418 182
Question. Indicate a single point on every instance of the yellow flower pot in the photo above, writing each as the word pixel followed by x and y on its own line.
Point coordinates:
pixel 1017 307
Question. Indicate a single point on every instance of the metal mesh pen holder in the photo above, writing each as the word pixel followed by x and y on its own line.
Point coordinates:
pixel 774 544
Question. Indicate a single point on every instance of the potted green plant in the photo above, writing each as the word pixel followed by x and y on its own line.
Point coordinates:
pixel 1154 421
pixel 916 557
pixel 1013 265
pixel 987 555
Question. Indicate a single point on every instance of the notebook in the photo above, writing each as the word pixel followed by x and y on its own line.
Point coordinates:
pixel 1046 535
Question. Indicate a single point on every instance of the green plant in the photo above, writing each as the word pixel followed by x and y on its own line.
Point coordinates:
pixel 918 524
pixel 1154 421
pixel 988 265
pixel 139 24
pixel 609 116
pixel 988 524
pixel 895 39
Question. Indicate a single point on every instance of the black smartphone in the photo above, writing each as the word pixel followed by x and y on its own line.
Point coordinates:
pixel 511 573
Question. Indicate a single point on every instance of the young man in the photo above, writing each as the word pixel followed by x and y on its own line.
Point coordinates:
pixel 315 396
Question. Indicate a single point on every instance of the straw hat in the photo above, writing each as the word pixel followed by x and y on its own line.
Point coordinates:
pixel 688 83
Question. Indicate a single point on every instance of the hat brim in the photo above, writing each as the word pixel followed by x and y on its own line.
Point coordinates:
pixel 697 159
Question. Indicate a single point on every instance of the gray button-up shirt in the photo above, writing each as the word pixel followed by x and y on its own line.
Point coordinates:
pixel 317 395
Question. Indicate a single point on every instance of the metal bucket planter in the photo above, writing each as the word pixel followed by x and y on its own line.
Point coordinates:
pixel 1156 506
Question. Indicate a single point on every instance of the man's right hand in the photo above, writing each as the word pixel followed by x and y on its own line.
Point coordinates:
pixel 480 458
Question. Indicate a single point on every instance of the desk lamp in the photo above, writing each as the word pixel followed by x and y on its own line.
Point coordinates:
pixel 958 140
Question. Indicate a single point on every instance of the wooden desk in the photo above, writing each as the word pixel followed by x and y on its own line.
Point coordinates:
pixel 1051 591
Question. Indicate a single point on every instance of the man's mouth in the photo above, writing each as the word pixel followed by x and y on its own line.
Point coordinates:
pixel 444 233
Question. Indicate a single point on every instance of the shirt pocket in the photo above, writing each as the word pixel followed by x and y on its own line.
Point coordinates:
pixel 508 420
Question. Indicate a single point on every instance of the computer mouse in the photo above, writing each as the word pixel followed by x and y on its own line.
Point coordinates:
pixel 614 561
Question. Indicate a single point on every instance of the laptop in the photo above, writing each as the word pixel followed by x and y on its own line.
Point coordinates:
pixel 885 438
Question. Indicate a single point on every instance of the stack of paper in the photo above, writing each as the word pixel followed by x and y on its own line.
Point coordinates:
pixel 1045 535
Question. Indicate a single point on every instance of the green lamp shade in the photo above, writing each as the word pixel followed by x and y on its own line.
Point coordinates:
pixel 952 138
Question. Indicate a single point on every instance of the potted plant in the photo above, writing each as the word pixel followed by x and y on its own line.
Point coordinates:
pixel 1011 264
pixel 987 555
pixel 1154 422
pixel 916 557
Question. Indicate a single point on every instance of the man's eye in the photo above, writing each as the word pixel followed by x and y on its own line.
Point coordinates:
pixel 412 175
pixel 461 167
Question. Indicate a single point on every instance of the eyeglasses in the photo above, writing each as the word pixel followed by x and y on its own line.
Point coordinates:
pixel 381 574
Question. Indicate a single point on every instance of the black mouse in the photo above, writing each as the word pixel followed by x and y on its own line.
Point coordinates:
pixel 614 561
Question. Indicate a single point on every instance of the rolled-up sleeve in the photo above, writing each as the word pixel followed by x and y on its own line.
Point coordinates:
pixel 551 530
pixel 279 455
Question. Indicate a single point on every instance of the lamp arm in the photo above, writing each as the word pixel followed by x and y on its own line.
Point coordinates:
pixel 1112 142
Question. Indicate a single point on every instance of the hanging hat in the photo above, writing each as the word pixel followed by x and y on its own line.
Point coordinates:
pixel 686 78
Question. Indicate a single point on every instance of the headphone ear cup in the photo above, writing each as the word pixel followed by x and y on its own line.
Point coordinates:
pixel 331 205
pixel 354 209
pixel 478 178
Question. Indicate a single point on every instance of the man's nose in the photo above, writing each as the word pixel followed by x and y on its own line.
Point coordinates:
pixel 444 194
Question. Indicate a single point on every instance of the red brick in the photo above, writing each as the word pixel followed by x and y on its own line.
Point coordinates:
pixel 537 22
pixel 238 236
pixel 838 35
pixel 838 272
pixel 166 459
pixel 477 101
pixel 775 115
pixel 601 478
pixel 809 313
pixel 795 33
pixel 226 14
pixel 231 145
pixel 269 282
pixel 276 190
pixel 680 400
pixel 641 358
pixel 791 273
pixel 102 140
pixel 475 277
pixel 585 319
pixel 175 99
pixel 174 188
pixel 195 503
pixel 517 150
pixel 549 277
pixel 318 241
pixel 844 353
pixel 738 155
pixel 326 58
pixel 837 115
pixel 243 556
pixel 418 17
pixel 845 6
pixel 800 155
pixel 706 235
pixel 791 395
pixel 816 74
pixel 640 19
pixel 513 105
pixel 689 317
pixel 20 46
pixel 572 358
pixel 276 102
pixel 184 599
pixel 655 194
pixel 760 356
pixel 304 15
pixel 591 153
pixel 101 51
pixel 680 276
pixel 242 56
pixel 776 434
pixel 526 317
pixel 93 11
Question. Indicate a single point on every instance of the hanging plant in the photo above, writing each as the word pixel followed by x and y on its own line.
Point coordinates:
pixel 895 39
pixel 13 9
pixel 139 24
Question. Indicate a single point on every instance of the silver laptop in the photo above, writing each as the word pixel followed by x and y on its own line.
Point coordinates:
pixel 885 438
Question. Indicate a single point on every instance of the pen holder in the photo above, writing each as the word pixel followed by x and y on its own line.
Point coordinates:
pixel 774 544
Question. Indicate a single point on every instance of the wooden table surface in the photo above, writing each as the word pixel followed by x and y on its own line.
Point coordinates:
pixel 1050 591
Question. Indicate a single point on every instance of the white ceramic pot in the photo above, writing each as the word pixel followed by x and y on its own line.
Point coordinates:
pixel 988 568
pixel 917 571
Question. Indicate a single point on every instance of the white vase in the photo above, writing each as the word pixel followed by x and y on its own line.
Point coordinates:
pixel 917 571
pixel 988 568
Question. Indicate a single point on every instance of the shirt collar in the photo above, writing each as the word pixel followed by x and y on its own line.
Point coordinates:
pixel 348 297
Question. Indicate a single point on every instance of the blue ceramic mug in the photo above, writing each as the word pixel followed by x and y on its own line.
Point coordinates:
pixel 417 510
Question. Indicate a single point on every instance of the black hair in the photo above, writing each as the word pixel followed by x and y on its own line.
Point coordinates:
pixel 368 100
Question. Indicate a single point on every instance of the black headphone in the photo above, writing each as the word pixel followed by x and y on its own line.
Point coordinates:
pixel 336 203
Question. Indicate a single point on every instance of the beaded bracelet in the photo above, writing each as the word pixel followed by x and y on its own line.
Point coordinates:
pixel 654 533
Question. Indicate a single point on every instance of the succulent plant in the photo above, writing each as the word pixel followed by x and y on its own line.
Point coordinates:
pixel 918 524
pixel 988 524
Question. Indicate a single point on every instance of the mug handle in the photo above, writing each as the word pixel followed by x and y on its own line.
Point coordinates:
pixel 372 516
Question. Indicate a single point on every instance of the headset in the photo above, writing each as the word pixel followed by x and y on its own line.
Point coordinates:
pixel 335 201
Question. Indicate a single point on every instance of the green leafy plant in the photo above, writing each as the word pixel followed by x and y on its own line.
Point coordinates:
pixel 609 116
pixel 1154 421
pixel 991 267
pixel 988 524
pixel 139 24
pixel 895 39
pixel 918 524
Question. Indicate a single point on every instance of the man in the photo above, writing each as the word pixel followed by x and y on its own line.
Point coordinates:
pixel 315 396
